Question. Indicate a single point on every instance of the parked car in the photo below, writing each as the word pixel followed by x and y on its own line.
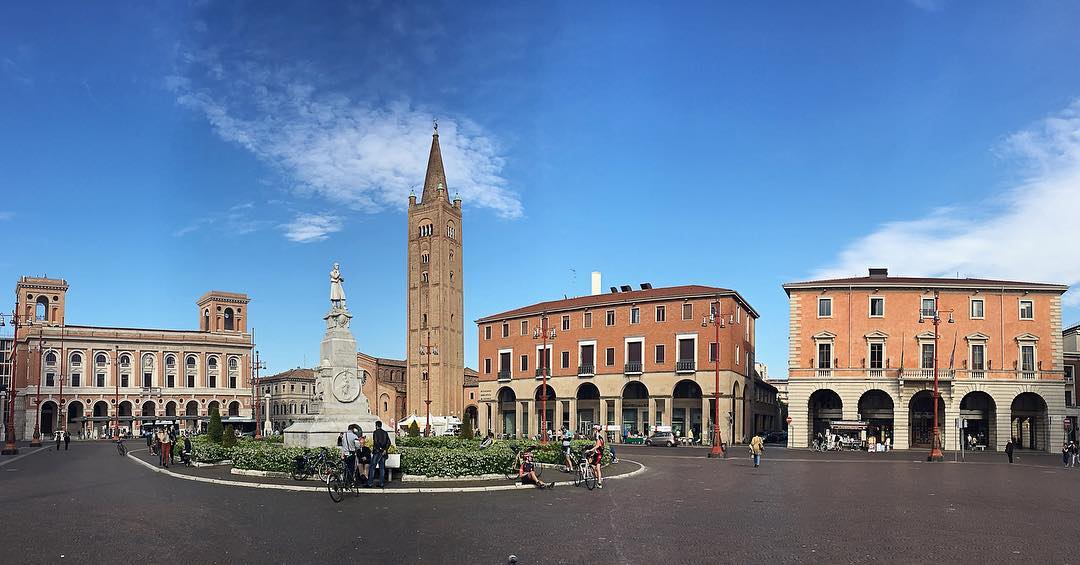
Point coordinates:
pixel 662 438
pixel 775 437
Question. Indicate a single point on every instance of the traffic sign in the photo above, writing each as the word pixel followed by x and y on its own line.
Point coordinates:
pixel 1067 423
pixel 789 419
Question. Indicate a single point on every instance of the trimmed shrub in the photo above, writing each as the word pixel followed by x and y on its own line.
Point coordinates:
pixel 414 430
pixel 228 438
pixel 214 429
pixel 466 431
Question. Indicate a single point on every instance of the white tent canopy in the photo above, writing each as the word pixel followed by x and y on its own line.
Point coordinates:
pixel 438 422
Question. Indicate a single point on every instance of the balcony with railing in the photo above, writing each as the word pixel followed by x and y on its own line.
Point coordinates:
pixel 927 374
pixel 1026 375
pixel 632 369
pixel 976 374
pixel 540 372
pixel 504 376
pixel 823 373
pixel 684 366
pixel 586 370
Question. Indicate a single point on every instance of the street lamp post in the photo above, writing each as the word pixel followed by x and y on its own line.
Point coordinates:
pixel 716 320
pixel 61 421
pixel 935 316
pixel 429 351
pixel 116 398
pixel 543 334
pixel 259 364
pixel 35 440
pixel 9 440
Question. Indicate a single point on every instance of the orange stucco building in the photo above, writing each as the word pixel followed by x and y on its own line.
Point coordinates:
pixel 864 350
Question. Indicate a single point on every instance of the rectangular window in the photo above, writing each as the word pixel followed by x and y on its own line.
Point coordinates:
pixel 505 329
pixel 232 381
pixel 661 314
pixel 75 379
pixel 504 364
pixel 609 356
pixel 736 354
pixel 926 361
pixel 147 380
pixel 524 363
pixel 635 315
pixel 659 354
pixel 524 327
pixel 633 352
pixel 1068 398
pixel 565 359
pixel 1027 358
pixel 587 353
pixel 978 357
pixel 824 356
pixel 610 318
pixel 824 307
pixel 191 381
pixel 213 381
pixel 1070 373
pixel 929 307
pixel 877 355
pixel 543 359
pixel 978 309
pixel 712 351
pixel 487 332
pixel 487 365
pixel 124 381
pixel 877 307
pixel 586 320
pixel 170 381
pixel 1027 310
pixel 566 323
pixel 687 311
pixel 686 349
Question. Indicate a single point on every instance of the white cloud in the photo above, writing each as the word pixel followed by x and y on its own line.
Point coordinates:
pixel 1028 232
pixel 364 156
pixel 928 5
pixel 308 228
pixel 236 221
pixel 6 215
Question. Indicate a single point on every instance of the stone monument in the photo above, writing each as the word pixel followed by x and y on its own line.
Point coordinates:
pixel 336 399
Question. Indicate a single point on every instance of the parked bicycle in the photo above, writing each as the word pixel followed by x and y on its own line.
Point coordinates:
pixel 336 484
pixel 514 471
pixel 309 464
pixel 585 474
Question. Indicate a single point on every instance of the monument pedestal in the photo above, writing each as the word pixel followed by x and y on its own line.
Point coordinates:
pixel 323 432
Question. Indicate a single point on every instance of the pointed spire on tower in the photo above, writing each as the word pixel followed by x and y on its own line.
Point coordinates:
pixel 435 180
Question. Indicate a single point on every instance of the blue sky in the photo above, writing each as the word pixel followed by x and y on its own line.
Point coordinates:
pixel 150 152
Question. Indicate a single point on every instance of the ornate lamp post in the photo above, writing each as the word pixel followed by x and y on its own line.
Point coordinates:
pixel 716 320
pixel 116 397
pixel 259 364
pixel 9 440
pixel 543 333
pixel 35 440
pixel 935 317
pixel 429 351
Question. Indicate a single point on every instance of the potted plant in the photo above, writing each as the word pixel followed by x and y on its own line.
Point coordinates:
pixel 393 458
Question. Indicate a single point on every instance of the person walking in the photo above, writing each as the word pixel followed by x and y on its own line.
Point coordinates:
pixel 1075 452
pixel 67 440
pixel 756 447
pixel 1065 456
pixel 380 448
pixel 1009 450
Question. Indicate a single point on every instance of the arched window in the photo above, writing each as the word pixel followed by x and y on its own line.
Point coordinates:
pixel 148 360
pixel 424 258
pixel 101 359
pixel 125 360
pixel 424 277
pixel 50 358
pixel 228 318
pixel 206 320
pixel 212 363
pixel 76 359
pixel 451 230
pixel 233 364
pixel 451 255
pixel 170 361
pixel 41 308
pixel 191 361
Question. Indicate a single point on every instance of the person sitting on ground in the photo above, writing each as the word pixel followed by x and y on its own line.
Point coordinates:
pixel 185 455
pixel 490 439
pixel 528 470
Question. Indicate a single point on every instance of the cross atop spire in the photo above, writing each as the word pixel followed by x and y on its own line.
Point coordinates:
pixel 435 179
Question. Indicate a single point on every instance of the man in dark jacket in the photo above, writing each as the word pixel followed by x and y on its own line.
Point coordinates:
pixel 380 444
pixel 67 439
pixel 1009 450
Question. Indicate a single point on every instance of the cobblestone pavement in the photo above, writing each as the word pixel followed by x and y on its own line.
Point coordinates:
pixel 91 505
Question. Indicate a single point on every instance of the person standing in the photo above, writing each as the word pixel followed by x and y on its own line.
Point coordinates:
pixel 1065 453
pixel 67 440
pixel 348 451
pixel 568 462
pixel 1075 452
pixel 756 447
pixel 1009 450
pixel 380 447
pixel 166 449
pixel 58 435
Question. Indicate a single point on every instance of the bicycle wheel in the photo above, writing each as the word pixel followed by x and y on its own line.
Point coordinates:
pixel 121 449
pixel 578 477
pixel 335 485
pixel 590 480
pixel 512 472
pixel 538 469
pixel 299 474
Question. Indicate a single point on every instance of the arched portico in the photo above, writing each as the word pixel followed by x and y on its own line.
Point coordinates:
pixel 48 420
pixel 823 407
pixel 921 419
pixel 687 409
pixel 588 408
pixel 634 409
pixel 876 409
pixel 507 412
pixel 979 412
pixel 75 417
pixel 549 415
pixel 1029 422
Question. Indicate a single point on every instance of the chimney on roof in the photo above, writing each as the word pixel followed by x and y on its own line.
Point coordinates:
pixel 878 272
pixel 595 283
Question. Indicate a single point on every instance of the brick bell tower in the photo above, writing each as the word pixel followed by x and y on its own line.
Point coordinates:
pixel 435 301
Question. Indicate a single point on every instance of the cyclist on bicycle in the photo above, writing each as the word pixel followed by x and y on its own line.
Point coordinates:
pixel 566 437
pixel 595 454
pixel 528 470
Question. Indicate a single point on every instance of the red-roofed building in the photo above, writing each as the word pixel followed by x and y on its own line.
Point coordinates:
pixel 628 360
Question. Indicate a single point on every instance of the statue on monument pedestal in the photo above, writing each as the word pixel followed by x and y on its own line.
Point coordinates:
pixel 337 292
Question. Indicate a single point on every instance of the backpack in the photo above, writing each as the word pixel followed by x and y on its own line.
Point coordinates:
pixel 340 438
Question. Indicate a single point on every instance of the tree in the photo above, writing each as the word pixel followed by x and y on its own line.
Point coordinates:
pixel 466 428
pixel 229 438
pixel 214 429
pixel 414 430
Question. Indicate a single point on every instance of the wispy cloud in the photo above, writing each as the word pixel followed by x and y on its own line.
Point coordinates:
pixel 928 5
pixel 4 215
pixel 236 221
pixel 309 228
pixel 363 155
pixel 1027 232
